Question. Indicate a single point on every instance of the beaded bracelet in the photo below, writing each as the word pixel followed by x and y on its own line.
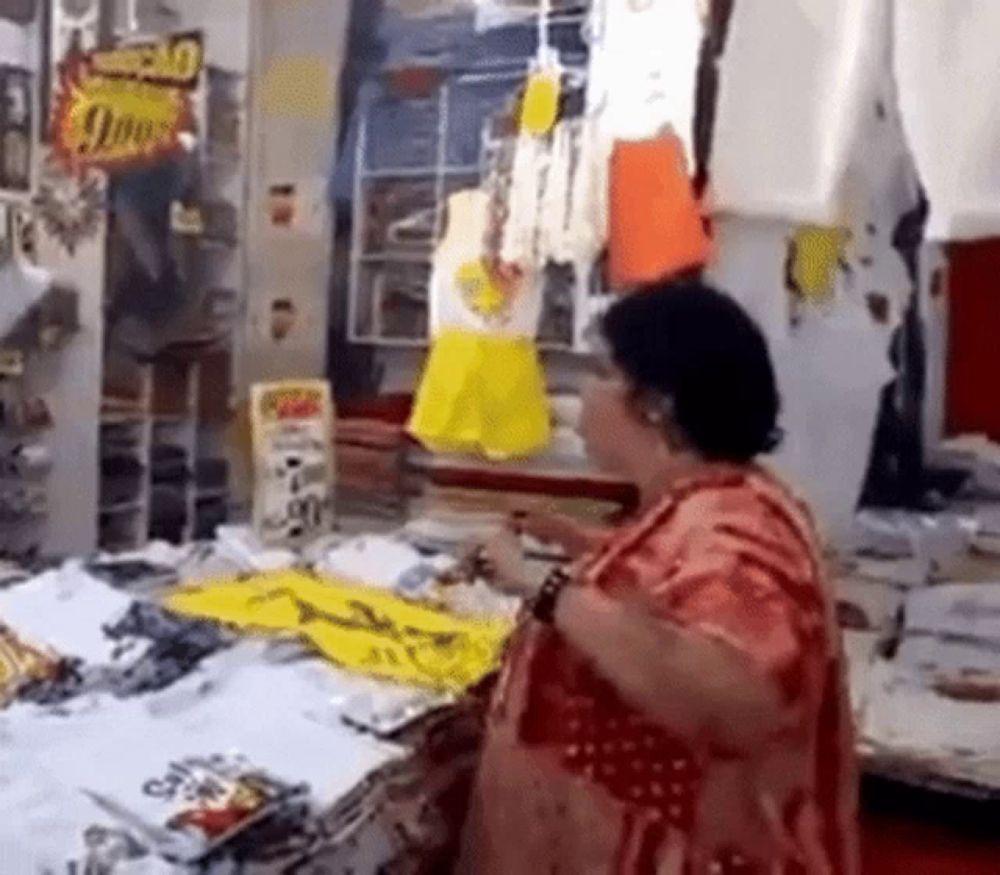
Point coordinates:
pixel 543 605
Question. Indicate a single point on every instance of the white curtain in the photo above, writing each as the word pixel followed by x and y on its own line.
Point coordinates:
pixel 947 64
pixel 795 77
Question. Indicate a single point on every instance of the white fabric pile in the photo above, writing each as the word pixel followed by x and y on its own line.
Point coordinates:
pixel 393 564
pixel 944 53
pixel 57 766
pixel 98 778
pixel 935 702
pixel 793 79
pixel 66 611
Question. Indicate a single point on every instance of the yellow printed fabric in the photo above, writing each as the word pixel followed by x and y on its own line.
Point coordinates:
pixel 482 394
pixel 817 253
pixel 540 107
pixel 21 664
pixel 368 631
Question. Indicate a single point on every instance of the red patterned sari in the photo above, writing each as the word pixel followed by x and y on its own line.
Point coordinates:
pixel 575 780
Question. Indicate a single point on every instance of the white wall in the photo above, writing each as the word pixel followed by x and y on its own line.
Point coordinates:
pixel 18 45
pixel 225 24
pixel 70 380
pixel 297 52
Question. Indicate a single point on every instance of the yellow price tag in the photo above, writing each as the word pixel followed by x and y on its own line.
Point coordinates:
pixel 540 106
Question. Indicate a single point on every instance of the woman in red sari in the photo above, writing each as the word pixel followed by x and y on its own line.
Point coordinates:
pixel 675 704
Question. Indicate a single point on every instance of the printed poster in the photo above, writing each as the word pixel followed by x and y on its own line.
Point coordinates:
pixel 126 106
pixel 292 434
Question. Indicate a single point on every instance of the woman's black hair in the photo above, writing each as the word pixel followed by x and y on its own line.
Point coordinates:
pixel 689 343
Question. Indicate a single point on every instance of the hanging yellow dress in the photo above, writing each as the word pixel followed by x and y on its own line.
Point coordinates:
pixel 483 389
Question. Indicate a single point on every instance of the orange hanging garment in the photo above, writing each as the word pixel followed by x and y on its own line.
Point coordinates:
pixel 656 227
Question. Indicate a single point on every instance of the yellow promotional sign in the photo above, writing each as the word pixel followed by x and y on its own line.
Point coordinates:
pixel 109 122
pixel 175 62
pixel 126 106
pixel 362 629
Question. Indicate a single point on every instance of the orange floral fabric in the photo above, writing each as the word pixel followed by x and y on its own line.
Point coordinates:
pixel 731 557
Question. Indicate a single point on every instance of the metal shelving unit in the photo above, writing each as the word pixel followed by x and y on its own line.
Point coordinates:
pixel 139 434
pixel 383 277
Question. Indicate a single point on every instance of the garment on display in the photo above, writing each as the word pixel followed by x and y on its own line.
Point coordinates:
pixel 66 767
pixel 148 291
pixel 171 646
pixel 796 78
pixel 644 62
pixel 656 227
pixel 65 610
pixel 483 390
pixel 371 633
pixel 132 647
pixel 386 562
pixel 548 198
pixel 955 143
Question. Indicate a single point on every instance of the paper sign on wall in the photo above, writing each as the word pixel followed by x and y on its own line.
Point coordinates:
pixel 126 106
pixel 292 432
pixel 817 253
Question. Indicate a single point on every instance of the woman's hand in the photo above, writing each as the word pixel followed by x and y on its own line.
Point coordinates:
pixel 556 529
pixel 501 561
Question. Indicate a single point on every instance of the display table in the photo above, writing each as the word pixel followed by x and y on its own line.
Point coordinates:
pixel 368 775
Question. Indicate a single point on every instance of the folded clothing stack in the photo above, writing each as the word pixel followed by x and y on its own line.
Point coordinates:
pixel 121 478
pixel 170 464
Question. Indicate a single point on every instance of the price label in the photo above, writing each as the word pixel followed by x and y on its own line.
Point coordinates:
pixel 292 425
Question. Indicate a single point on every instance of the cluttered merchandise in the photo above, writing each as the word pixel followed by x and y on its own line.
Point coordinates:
pixel 232 707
